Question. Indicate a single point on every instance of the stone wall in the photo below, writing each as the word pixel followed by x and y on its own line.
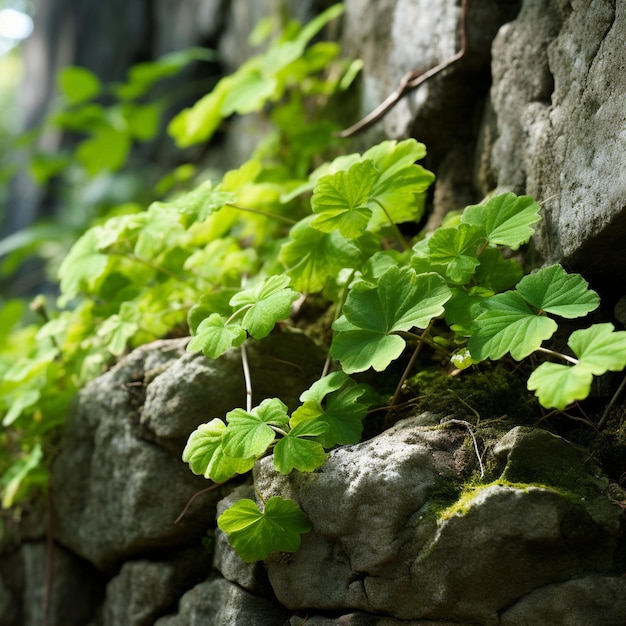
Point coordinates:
pixel 537 106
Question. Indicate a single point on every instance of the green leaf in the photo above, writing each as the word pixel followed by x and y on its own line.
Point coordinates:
pixel 265 304
pixel 457 248
pixel 340 200
pixel 464 307
pixel 78 84
pixel 322 387
pixel 401 183
pixel 83 263
pixel 249 434
pixel 312 257
pixel 254 535
pixel 205 454
pixel 295 452
pixel 142 120
pixel 401 301
pixel 506 218
pixel 162 229
pixel 497 273
pixel 343 415
pixel 105 150
pixel 117 329
pixel 555 291
pixel 214 337
pixel 558 385
pixel 142 76
pixel 202 201
pixel 600 348
pixel 198 123
pixel 18 475
pixel 344 411
pixel 508 325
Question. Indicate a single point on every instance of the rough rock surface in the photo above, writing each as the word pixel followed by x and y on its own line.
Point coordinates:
pixel 409 559
pixel 219 601
pixel 145 590
pixel 558 94
pixel 120 481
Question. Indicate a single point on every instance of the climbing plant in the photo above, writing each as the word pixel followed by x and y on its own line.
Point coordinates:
pixel 235 255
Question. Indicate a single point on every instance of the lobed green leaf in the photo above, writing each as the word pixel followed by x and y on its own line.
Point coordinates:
pixel 265 304
pixel 255 534
pixel 205 454
pixel 506 218
pixel 558 386
pixel 214 337
pixel 340 200
pixel 553 290
pixel 508 325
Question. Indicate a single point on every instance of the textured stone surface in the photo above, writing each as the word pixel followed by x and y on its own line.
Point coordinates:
pixel 146 590
pixel 117 493
pixel 379 545
pixel 581 602
pixel 218 601
pixel 69 597
pixel 394 37
pixel 559 94
pixel 120 482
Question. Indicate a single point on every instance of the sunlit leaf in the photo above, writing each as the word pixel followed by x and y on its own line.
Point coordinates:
pixel 553 290
pixel 313 257
pixel 457 248
pixel 83 263
pixel 214 337
pixel 205 454
pixel 255 534
pixel 506 218
pixel 265 304
pixel 402 300
pixel 249 434
pixel 296 452
pixel 600 348
pixel 340 200
pixel 78 84
pixel 508 325
pixel 558 386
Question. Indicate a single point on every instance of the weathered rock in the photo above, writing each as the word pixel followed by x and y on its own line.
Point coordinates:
pixel 398 36
pixel 581 602
pixel 383 543
pixel 194 389
pixel 116 493
pixel 365 503
pixel 67 596
pixel 120 483
pixel 558 94
pixel 145 590
pixel 218 601
pixel 366 619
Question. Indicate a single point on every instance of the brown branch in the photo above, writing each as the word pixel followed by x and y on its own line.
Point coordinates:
pixel 410 81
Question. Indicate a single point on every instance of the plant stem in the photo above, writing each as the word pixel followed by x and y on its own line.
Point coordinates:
pixel 473 436
pixel 246 376
pixel 394 226
pixel 151 265
pixel 407 370
pixel 280 218
pixel 342 300
pixel 565 357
